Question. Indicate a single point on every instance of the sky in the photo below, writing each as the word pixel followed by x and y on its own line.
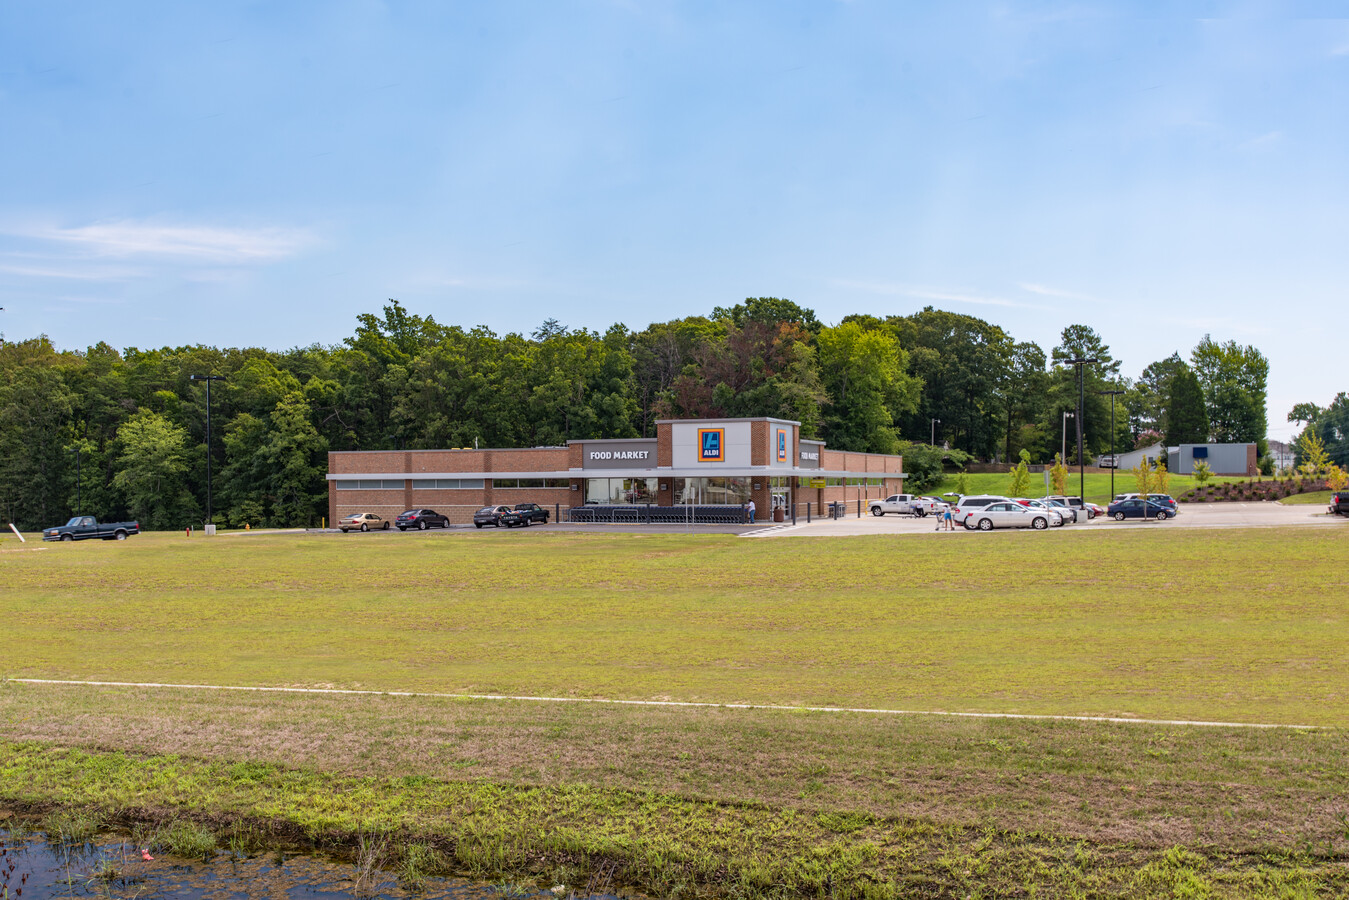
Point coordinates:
pixel 259 174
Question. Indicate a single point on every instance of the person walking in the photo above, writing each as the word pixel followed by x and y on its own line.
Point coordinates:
pixel 750 507
pixel 948 520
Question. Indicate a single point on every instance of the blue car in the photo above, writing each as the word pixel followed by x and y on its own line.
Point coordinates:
pixel 1137 508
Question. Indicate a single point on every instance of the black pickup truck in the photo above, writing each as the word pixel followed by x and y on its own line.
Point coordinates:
pixel 1339 502
pixel 83 527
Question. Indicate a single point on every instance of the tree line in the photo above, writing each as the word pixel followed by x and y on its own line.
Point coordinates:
pixel 122 433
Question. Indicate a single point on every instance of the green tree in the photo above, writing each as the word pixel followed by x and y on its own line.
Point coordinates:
pixel 1185 417
pixel 864 377
pixel 294 456
pixel 1312 453
pixel 1058 476
pixel 1202 472
pixel 151 466
pixel 1021 476
pixel 1233 379
pixel 963 363
pixel 1082 342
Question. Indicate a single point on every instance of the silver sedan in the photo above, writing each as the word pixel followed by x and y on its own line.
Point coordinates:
pixel 1010 515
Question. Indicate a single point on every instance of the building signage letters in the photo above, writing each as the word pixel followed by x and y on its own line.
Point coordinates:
pixel 620 454
pixel 782 445
pixel 812 455
pixel 711 445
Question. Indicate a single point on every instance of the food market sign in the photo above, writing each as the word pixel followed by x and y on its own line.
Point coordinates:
pixel 618 455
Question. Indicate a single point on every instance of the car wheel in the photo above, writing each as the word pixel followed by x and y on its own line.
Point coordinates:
pixel 1119 517
pixel 477 524
pixel 365 526
pixel 344 531
pixel 985 524
pixel 401 528
pixel 385 526
pixel 121 535
pixel 67 537
pixel 421 526
pixel 1161 515
pixel 1039 524
pixel 877 511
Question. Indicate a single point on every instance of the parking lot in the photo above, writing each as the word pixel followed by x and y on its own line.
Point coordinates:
pixel 1191 515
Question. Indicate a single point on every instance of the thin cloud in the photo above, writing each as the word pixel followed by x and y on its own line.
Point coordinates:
pixel 926 293
pixel 1045 290
pixel 80 273
pixel 193 243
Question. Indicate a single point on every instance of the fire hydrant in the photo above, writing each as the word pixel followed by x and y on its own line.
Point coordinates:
pixel 189 531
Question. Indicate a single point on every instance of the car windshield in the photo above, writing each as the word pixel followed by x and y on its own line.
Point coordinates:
pixel 409 513
pixel 73 522
pixel 488 509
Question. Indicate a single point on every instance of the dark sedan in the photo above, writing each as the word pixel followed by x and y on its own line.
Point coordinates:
pixel 421 519
pixel 496 516
pixel 1137 508
pixel 536 514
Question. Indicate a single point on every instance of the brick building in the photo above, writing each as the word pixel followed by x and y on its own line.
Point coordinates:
pixel 690 462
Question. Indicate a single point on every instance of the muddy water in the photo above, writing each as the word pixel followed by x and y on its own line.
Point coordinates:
pixel 31 868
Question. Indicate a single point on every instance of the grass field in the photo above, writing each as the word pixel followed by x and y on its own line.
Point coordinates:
pixel 1237 625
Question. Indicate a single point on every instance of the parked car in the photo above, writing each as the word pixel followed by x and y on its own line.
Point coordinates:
pixel 1068 511
pixel 1059 515
pixel 535 514
pixel 1138 508
pixel 1164 499
pixel 903 505
pixel 82 528
pixel 1339 502
pixel 1008 514
pixel 496 516
pixel 421 519
pixel 1095 509
pixel 1076 503
pixel 362 522
pixel 963 506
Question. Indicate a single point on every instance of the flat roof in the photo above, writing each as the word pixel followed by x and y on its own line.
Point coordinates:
pixel 721 472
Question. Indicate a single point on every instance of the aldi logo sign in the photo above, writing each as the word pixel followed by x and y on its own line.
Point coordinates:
pixel 711 445
pixel 782 445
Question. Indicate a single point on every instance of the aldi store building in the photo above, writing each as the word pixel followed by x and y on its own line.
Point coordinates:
pixel 700 463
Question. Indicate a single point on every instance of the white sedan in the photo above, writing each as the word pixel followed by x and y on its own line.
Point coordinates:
pixel 1010 515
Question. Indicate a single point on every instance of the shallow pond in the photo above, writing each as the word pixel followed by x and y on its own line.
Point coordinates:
pixel 32 868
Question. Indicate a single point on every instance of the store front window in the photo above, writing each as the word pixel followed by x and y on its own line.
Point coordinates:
pixel 711 491
pixel 611 491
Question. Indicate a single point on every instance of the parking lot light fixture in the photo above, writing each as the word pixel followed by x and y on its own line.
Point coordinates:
pixel 208 379
pixel 1114 464
pixel 1079 362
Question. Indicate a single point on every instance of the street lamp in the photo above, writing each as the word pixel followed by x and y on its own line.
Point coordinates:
pixel 1114 463
pixel 1063 451
pixel 208 379
pixel 1080 361
pixel 935 422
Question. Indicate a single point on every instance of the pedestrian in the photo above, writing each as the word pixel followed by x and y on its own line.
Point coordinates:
pixel 750 507
pixel 948 520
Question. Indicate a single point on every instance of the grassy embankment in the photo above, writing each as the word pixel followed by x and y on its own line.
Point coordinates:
pixel 1249 628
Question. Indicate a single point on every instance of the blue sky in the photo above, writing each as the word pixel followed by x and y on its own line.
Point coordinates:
pixel 260 173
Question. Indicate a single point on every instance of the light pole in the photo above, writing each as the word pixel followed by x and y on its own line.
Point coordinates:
pixel 208 379
pixel 935 422
pixel 1063 451
pixel 1114 464
pixel 1079 362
